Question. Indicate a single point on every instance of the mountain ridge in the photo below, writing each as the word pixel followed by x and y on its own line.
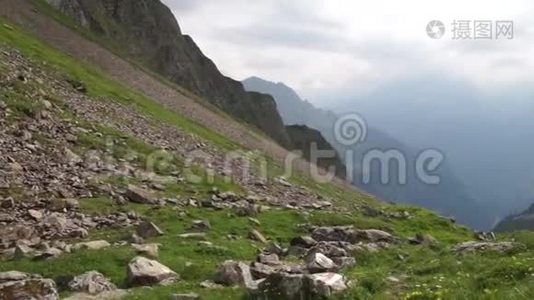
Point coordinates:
pixel 154 39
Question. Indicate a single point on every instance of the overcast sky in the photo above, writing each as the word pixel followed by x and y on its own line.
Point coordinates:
pixel 329 46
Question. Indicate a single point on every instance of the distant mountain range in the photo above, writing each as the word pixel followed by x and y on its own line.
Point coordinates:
pixel 449 197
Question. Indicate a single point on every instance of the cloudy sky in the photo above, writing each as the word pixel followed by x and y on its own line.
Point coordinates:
pixel 330 46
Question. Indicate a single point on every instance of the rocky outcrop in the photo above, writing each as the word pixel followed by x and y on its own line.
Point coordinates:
pixel 21 286
pixel 92 283
pixel 500 247
pixel 153 38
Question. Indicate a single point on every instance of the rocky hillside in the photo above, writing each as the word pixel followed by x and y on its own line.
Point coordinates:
pixel 304 139
pixel 515 222
pixel 99 199
pixel 147 32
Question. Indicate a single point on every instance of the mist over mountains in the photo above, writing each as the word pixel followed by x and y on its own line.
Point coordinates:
pixel 483 133
pixel 450 197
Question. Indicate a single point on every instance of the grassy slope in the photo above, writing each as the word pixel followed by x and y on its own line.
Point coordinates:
pixel 112 46
pixel 425 273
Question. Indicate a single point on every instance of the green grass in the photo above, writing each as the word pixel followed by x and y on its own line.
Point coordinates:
pixel 101 86
pixel 113 46
pixel 423 272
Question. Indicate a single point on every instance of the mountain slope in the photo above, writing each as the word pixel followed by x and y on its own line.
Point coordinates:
pixel 94 174
pixel 151 36
pixel 516 222
pixel 449 197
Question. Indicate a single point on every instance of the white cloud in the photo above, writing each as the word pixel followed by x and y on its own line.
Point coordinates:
pixel 337 44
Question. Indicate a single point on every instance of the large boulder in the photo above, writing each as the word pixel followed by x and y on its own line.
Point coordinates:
pixel 280 286
pixel 233 273
pixel 139 195
pixel 325 284
pixel 91 283
pixel 20 286
pixel 318 263
pixel 146 272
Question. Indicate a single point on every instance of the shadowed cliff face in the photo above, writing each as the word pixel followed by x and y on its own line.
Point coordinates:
pixel 148 33
pixel 303 138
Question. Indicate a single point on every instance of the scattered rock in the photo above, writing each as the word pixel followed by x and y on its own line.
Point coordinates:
pixel 344 262
pixel 150 250
pixel 257 236
pixel 247 210
pixel 71 157
pixel 373 236
pixel 283 181
pixel 146 272
pixel 190 296
pixel 208 284
pixel 326 284
pixel 319 263
pixel 139 195
pixel 193 235
pixel 303 241
pixel 135 239
pixel 233 273
pixel 35 214
pixel 423 239
pixel 333 233
pixel 269 259
pixel 148 230
pixel 200 225
pixel 280 286
pixel 7 203
pixel 13 276
pixel 49 253
pixel 92 245
pixel 274 248
pixel 254 221
pixel 110 295
pixel 501 247
pixel 22 251
pixel 92 283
